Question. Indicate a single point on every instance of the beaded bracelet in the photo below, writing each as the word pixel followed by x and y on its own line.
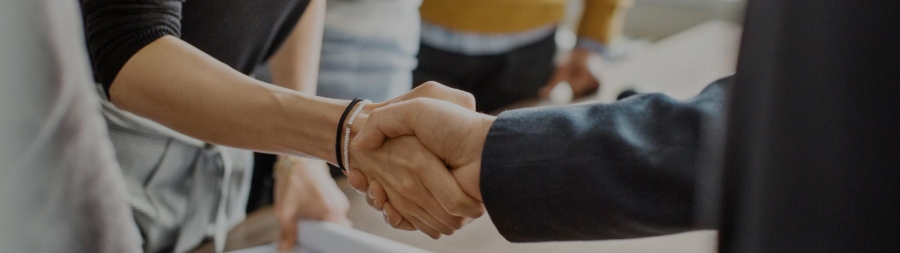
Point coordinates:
pixel 347 133
pixel 340 126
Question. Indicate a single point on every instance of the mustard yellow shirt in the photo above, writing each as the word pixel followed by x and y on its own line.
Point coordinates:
pixel 601 19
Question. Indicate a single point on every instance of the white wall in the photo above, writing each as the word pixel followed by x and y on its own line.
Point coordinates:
pixel 657 19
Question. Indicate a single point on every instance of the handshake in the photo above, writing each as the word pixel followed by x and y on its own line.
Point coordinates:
pixel 417 158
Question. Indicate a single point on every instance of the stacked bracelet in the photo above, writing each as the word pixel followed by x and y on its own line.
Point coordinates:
pixel 340 127
pixel 347 133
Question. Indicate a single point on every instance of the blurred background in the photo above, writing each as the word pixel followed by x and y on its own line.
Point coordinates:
pixel 371 49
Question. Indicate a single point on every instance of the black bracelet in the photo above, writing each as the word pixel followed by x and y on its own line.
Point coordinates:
pixel 337 144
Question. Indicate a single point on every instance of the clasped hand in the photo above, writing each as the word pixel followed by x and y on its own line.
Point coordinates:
pixel 417 159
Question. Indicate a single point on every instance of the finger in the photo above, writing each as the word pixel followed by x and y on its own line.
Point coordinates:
pixel 404 206
pixel 358 181
pixel 410 187
pixel 437 213
pixel 584 82
pixel 413 209
pixel 394 219
pixel 446 190
pixel 391 215
pixel 421 226
pixel 561 74
pixel 288 236
pixel 377 194
pixel 370 201
pixel 452 95
pixel 405 225
pixel 436 90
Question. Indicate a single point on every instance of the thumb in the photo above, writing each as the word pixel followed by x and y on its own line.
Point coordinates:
pixel 386 122
pixel 358 181
pixel 288 236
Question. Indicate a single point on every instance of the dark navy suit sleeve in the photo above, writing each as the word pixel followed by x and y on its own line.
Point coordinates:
pixel 597 171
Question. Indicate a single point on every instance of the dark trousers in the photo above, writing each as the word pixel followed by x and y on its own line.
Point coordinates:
pixel 495 80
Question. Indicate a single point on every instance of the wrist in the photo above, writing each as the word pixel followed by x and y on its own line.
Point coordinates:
pixel 349 130
pixel 481 135
pixel 592 46
pixel 319 120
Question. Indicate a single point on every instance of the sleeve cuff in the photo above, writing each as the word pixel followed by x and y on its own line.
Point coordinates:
pixel 592 45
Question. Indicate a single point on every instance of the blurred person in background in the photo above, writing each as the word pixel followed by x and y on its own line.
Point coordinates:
pixel 502 51
pixel 61 189
pixel 369 49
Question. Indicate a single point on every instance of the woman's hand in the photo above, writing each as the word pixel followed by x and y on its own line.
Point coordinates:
pixel 304 189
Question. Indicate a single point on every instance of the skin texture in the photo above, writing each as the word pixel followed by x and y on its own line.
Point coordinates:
pixel 575 71
pixel 175 84
pixel 413 195
pixel 454 134
pixel 179 86
pixel 304 189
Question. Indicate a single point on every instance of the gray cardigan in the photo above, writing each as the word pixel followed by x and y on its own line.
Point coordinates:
pixel 61 189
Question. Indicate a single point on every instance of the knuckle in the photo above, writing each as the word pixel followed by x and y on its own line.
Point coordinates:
pixel 456 207
pixel 479 212
pixel 430 85
pixel 456 223
pixel 417 102
pixel 408 187
pixel 413 166
pixel 376 114
pixel 468 100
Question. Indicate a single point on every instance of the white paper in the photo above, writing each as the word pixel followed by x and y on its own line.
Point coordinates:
pixel 325 237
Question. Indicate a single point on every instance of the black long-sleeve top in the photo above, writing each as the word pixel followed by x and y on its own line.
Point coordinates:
pixel 240 33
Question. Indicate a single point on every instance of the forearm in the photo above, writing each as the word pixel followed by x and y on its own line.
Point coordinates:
pixel 602 20
pixel 179 86
pixel 296 64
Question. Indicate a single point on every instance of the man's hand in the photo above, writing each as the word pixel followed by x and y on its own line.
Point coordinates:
pixel 574 71
pixel 304 189
pixel 412 176
pixel 456 135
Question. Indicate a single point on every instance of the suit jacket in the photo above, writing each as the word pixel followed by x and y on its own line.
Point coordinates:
pixel 810 161
pixel 598 171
